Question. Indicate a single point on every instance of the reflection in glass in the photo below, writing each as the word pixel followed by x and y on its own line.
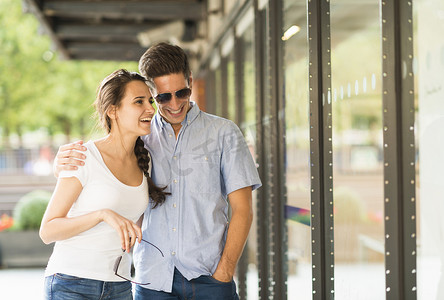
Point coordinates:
pixel 218 92
pixel 357 150
pixel 248 128
pixel 231 89
pixel 297 149
pixel 429 87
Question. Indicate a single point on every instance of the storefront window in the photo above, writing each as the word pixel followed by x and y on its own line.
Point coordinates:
pixel 429 129
pixel 216 88
pixel 245 36
pixel 228 92
pixel 297 157
pixel 356 63
pixel 231 92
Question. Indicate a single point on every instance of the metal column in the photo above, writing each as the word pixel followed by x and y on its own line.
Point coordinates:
pixel 277 198
pixel 321 156
pixel 399 149
pixel 263 240
pixel 271 225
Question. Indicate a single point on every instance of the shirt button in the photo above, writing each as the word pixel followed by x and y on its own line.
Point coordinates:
pixel 175 180
pixel 174 229
pixel 173 253
pixel 175 157
pixel 170 135
pixel 174 205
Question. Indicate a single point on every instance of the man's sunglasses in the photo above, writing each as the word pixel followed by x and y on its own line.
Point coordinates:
pixel 180 94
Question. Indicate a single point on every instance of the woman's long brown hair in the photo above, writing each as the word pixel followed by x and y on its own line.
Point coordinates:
pixel 110 94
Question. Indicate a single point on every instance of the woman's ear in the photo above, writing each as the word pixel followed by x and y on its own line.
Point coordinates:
pixel 112 112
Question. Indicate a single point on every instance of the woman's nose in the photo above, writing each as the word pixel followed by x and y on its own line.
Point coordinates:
pixel 149 106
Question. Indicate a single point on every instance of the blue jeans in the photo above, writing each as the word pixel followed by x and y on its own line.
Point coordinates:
pixel 65 287
pixel 201 288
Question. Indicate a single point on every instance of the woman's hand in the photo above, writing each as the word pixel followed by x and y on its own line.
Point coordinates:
pixel 128 231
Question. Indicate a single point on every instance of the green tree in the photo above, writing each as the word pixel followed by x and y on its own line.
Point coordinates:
pixel 36 88
pixel 17 64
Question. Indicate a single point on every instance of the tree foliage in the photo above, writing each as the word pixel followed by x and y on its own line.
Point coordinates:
pixel 37 89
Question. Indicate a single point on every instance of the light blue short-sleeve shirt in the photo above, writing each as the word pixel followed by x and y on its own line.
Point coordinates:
pixel 208 160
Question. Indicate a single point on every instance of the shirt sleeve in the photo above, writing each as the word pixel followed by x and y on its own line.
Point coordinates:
pixel 237 165
pixel 82 171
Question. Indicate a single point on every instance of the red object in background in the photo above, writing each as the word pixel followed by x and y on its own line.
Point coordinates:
pixel 5 222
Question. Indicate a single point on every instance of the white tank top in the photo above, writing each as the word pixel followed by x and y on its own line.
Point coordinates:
pixel 92 253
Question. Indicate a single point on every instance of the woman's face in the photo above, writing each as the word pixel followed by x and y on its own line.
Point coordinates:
pixel 135 112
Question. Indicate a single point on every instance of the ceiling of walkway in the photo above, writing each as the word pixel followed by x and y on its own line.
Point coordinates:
pixel 116 30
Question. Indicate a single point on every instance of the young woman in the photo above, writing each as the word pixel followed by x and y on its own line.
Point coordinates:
pixel 93 212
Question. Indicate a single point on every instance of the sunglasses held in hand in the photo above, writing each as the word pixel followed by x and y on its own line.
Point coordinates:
pixel 119 259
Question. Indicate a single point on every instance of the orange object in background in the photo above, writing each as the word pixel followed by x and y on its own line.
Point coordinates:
pixel 6 222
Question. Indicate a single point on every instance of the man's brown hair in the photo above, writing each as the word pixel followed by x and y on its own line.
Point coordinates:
pixel 164 59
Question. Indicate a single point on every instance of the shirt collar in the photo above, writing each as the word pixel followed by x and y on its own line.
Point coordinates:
pixel 189 118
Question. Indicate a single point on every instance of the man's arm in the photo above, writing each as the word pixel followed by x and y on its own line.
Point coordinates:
pixel 69 157
pixel 241 219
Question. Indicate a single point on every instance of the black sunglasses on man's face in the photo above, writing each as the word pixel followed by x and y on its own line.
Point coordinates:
pixel 118 259
pixel 166 97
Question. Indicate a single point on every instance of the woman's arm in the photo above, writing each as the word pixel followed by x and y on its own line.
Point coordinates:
pixel 57 226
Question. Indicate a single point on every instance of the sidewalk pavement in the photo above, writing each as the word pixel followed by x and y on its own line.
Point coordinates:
pixel 21 284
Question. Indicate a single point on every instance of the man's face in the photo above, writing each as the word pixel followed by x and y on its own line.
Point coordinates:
pixel 175 110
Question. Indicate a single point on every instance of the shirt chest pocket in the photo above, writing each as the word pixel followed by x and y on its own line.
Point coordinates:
pixel 204 175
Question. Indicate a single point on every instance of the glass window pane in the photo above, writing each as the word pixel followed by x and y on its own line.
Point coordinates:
pixel 248 128
pixel 218 91
pixel 231 93
pixel 297 149
pixel 358 160
pixel 429 88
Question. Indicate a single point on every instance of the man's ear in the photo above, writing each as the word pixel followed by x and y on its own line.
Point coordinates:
pixel 190 81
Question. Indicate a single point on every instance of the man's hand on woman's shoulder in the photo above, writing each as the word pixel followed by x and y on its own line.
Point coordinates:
pixel 69 157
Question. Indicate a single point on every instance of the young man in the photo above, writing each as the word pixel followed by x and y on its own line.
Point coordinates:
pixel 206 165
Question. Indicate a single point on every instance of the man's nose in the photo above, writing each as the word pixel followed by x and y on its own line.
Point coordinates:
pixel 175 102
